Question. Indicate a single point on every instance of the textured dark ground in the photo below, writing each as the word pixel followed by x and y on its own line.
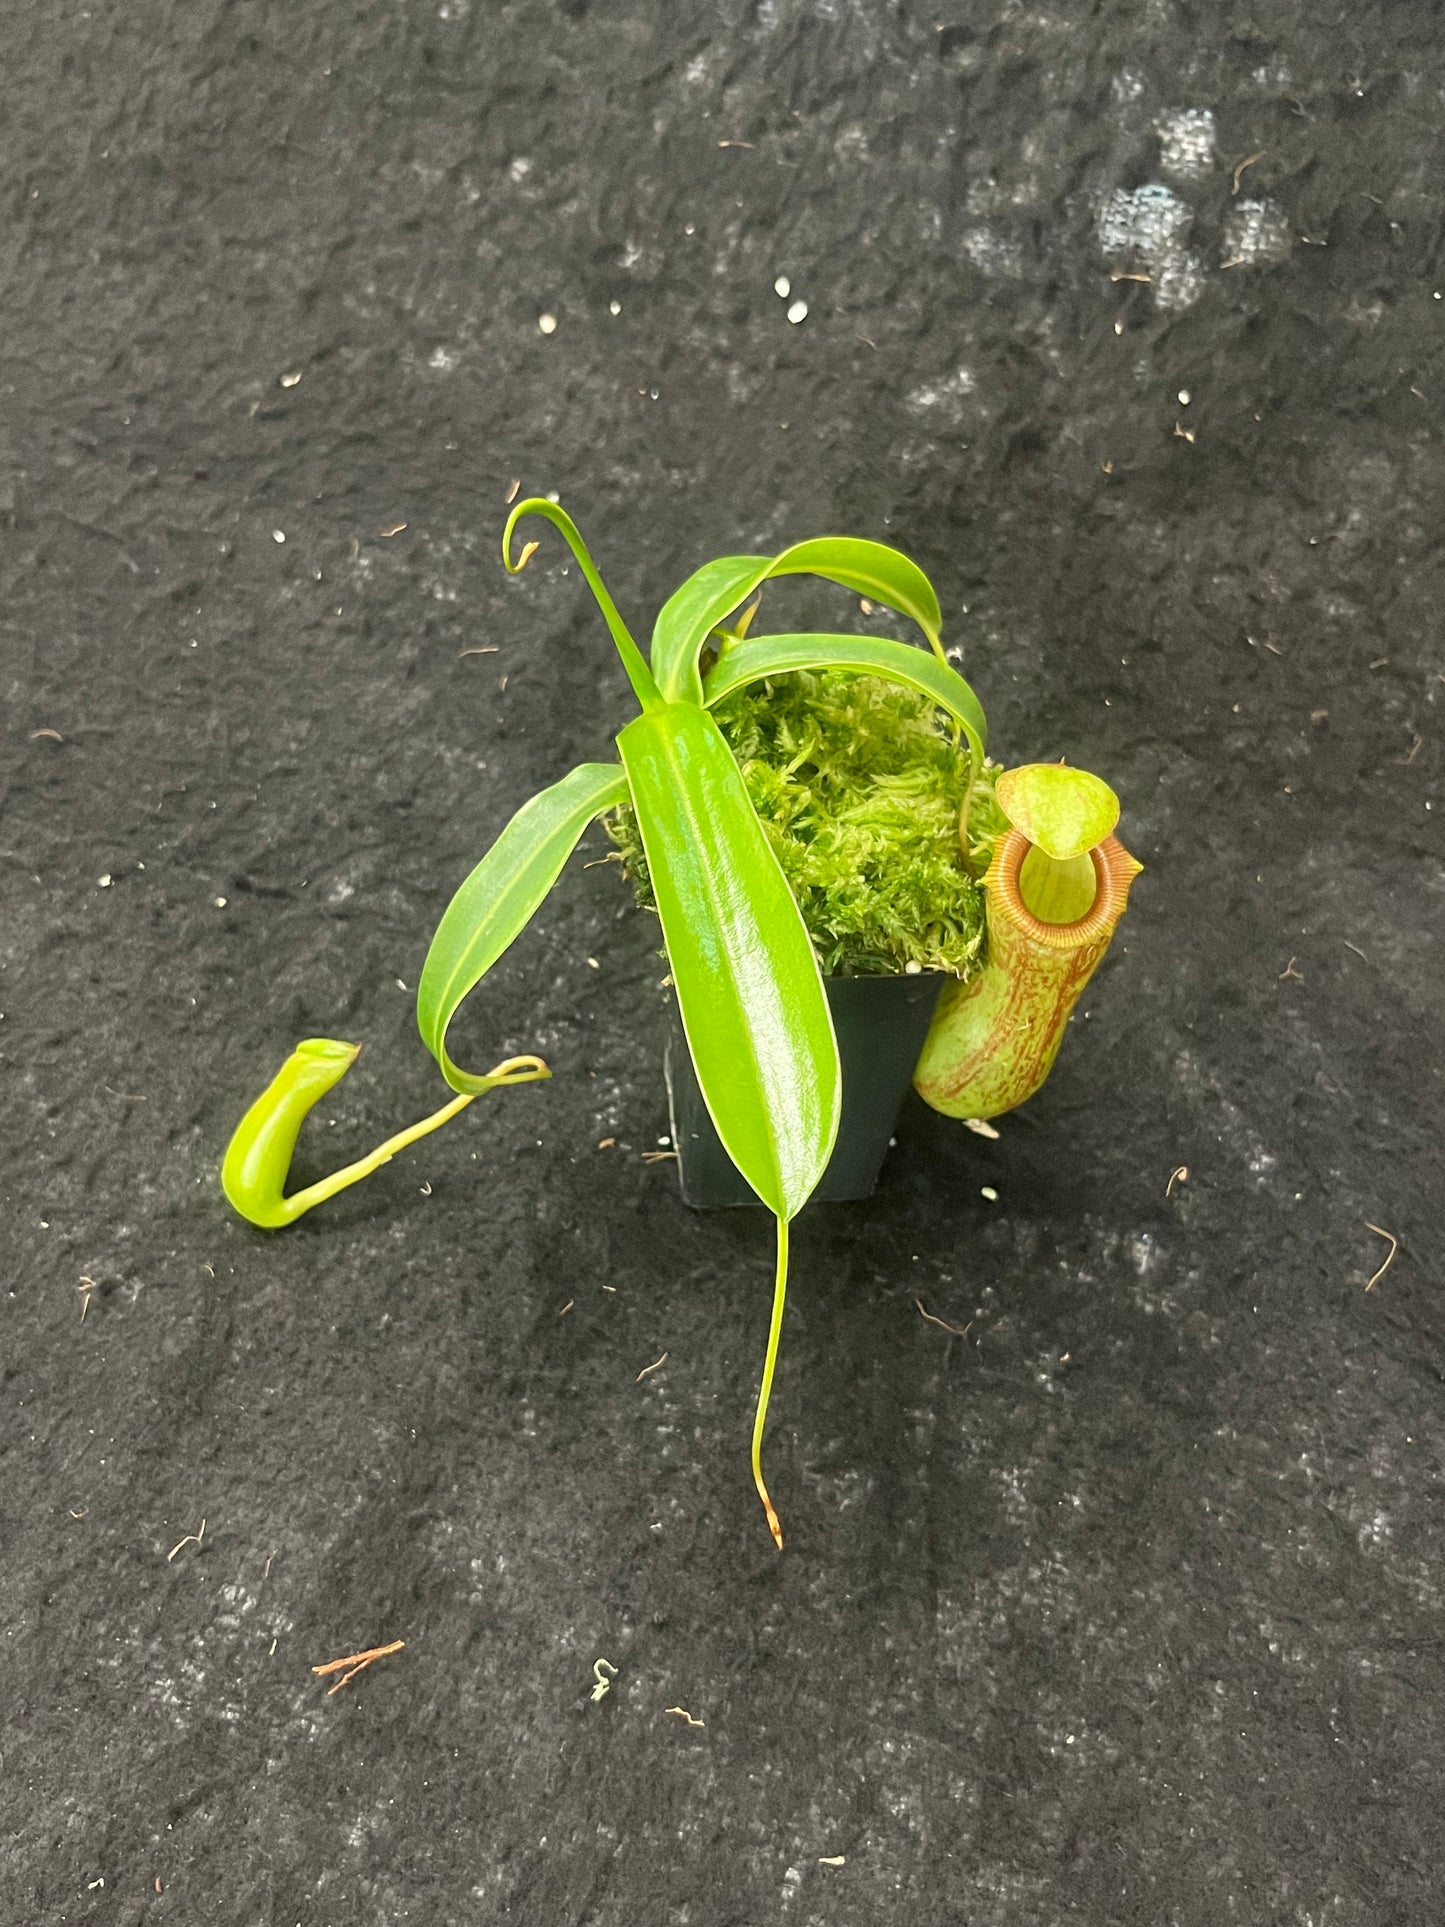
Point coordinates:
pixel 1148 1633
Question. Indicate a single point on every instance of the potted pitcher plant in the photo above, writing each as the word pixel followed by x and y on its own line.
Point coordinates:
pixel 849 893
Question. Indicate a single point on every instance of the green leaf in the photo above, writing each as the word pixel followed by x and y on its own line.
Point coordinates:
pixel 690 615
pixel 747 662
pixel 747 981
pixel 500 896
pixel 1064 811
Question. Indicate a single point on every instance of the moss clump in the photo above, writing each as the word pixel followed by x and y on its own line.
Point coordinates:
pixel 859 787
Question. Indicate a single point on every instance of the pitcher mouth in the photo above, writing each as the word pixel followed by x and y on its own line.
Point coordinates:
pixel 1114 871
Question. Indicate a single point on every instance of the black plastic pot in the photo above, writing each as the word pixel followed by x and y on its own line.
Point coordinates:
pixel 880 1023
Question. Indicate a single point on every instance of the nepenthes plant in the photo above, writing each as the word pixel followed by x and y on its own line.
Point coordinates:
pixel 744 968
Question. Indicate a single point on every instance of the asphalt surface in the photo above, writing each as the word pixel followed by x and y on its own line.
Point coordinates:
pixel 1124 1607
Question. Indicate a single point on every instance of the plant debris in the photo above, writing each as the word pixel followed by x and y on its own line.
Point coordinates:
pixel 191 1539
pixel 959 1331
pixel 356 1663
pixel 1380 1232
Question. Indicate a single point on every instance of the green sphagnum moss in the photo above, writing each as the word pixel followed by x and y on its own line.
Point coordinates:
pixel 859 786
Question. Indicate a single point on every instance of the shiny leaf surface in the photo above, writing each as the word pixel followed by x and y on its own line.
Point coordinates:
pixel 707 598
pixel 501 895
pixel 748 985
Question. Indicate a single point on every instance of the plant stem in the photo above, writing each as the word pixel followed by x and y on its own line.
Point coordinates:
pixel 324 1188
pixel 780 1292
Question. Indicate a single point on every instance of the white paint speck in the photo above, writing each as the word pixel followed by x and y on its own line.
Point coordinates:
pixel 614 307
pixel 1178 281
pixel 220 902
pixel 782 287
pixel 547 323
pixel 1184 398
pixel 992 254
pixel 278 535
pixel 105 881
pixel 1146 220
pixel 1255 231
pixel 1186 143
pixel 987 1191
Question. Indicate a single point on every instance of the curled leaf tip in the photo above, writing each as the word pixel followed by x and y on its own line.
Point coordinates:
pixel 529 549
pixel 519 1070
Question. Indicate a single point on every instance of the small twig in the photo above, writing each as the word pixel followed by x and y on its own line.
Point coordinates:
pixel 487 649
pixel 736 143
pixel 1356 948
pixel 1413 751
pixel 649 1368
pixel 832 1860
pixel 657 1157
pixel 1249 162
pixel 511 494
pixel 356 1663
pixel 1119 274
pixel 85 1288
pixel 959 1331
pixel 1380 1232
pixel 567 1307
pixel 981 1125
pixel 191 1539
pixel 1179 1175
pixel 54 735
pixel 683 1712
pixel 395 529
pixel 1290 971
pixel 1235 261
pixel 603 1686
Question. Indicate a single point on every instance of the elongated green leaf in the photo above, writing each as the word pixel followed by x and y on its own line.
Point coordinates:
pixel 500 896
pixel 690 615
pixel 747 981
pixel 750 661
